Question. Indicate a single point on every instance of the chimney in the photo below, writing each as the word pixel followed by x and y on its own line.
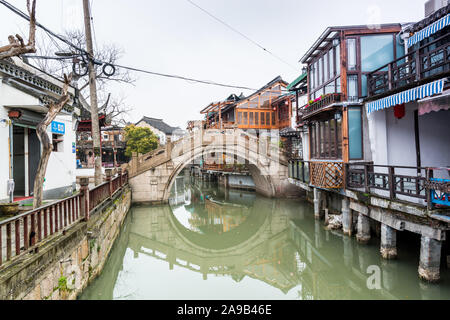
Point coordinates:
pixel 431 6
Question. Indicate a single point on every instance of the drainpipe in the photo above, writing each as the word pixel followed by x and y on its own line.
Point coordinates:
pixel 11 164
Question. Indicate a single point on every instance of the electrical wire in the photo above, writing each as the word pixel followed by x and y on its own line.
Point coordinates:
pixel 182 78
pixel 49 32
pixel 241 34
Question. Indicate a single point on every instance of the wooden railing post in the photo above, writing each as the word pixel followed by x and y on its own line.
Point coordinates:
pixel 366 178
pixel 429 200
pixel 391 178
pixel 108 173
pixel 84 199
pixel 119 172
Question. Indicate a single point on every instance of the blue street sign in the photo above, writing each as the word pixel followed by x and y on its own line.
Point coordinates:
pixel 58 127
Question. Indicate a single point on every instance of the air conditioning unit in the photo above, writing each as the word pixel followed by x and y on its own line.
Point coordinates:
pixel 432 6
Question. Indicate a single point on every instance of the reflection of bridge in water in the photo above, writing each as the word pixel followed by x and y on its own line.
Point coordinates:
pixel 278 243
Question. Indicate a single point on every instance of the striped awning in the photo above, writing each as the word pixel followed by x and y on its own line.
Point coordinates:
pixel 428 31
pixel 413 94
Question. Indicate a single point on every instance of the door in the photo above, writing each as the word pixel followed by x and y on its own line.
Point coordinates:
pixel 34 155
pixel 19 160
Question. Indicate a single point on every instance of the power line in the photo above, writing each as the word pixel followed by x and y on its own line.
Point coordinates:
pixel 243 35
pixel 49 32
pixel 182 78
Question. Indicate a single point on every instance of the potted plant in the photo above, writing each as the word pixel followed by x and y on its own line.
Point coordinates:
pixel 9 209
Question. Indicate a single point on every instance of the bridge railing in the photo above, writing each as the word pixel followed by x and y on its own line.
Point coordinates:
pixel 23 234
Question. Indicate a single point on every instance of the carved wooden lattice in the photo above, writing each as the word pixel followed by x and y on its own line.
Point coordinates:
pixel 327 175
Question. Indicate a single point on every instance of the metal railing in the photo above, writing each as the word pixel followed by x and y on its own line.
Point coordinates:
pixel 299 170
pixel 429 62
pixel 23 233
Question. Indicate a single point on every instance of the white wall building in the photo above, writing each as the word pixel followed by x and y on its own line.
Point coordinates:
pixel 24 94
pixel 161 129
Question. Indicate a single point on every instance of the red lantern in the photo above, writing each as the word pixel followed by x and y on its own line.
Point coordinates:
pixel 399 111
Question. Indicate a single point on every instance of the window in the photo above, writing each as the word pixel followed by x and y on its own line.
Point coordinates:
pixel 311 77
pixel 321 71
pixel 316 77
pixel 326 67
pixel 364 85
pixel 58 142
pixel 245 117
pixel 352 83
pixel 376 51
pixel 267 118
pixel 331 65
pixel 262 118
pixel 273 118
pixel 351 54
pixel 355 133
pixel 252 121
pixel 326 140
pixel 338 59
pixel 256 118
pixel 239 117
pixel 105 137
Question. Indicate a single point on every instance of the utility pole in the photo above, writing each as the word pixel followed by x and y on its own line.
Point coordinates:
pixel 93 96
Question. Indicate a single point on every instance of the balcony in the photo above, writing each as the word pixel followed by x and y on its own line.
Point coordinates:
pixel 410 184
pixel 428 63
pixel 317 106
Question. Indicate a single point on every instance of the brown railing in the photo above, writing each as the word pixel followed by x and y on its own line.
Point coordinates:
pixel 317 106
pixel 394 180
pixel 21 234
pixel 431 61
pixel 321 174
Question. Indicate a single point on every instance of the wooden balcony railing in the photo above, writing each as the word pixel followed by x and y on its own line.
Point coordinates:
pixel 22 234
pixel 430 62
pixel 400 182
pixel 315 107
pixel 327 175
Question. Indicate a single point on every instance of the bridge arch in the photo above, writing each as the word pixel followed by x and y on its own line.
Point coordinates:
pixel 260 174
pixel 152 175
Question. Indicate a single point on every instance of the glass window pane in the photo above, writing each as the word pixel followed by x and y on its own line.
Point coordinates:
pixel 339 136
pixel 364 85
pixel 239 117
pixel 331 64
pixel 267 118
pixel 320 71
pixel 245 118
pixel 351 54
pixel 329 88
pixel 316 67
pixel 352 83
pixel 256 118
pixel 273 118
pixel 262 119
pixel 251 118
pixel 354 133
pixel 338 85
pixel 326 67
pixel 338 59
pixel 376 51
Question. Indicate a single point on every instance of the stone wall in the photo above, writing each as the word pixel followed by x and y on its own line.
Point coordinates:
pixel 65 265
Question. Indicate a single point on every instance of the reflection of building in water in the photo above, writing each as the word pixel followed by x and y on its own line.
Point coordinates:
pixel 220 217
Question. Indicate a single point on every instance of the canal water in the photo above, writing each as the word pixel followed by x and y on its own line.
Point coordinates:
pixel 217 244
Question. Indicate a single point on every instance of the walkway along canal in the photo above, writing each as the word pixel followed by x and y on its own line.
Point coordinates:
pixel 51 253
pixel 214 243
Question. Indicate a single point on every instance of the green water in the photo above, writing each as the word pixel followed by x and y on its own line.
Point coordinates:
pixel 216 244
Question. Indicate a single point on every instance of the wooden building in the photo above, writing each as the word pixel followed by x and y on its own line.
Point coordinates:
pixel 266 109
pixel 333 121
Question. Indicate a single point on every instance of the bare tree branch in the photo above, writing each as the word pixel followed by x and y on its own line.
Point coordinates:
pixel 41 130
pixel 16 46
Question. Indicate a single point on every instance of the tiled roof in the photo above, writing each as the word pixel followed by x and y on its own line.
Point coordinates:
pixel 159 124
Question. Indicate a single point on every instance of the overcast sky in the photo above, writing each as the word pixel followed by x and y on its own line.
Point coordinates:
pixel 175 37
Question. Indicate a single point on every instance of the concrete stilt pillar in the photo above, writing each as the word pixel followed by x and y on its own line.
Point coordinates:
pixel 317 196
pixel 388 248
pixel 430 259
pixel 347 217
pixel 363 235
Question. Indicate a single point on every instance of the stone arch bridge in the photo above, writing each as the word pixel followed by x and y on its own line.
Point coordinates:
pixel 151 175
